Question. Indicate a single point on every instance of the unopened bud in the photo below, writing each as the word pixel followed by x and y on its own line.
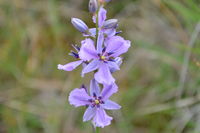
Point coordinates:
pixel 79 25
pixel 111 23
pixel 102 1
pixel 93 6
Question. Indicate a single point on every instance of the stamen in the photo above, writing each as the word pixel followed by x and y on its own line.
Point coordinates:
pixel 102 57
pixel 77 48
pixel 110 53
pixel 75 55
pixel 104 49
pixel 90 100
pixel 94 95
pixel 96 101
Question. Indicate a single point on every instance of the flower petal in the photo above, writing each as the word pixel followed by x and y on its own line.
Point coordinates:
pixel 101 16
pixel 108 90
pixel 104 75
pixel 89 113
pixel 118 61
pixel 100 42
pixel 110 32
pixel 94 88
pixel 92 32
pixel 117 45
pixel 70 66
pixel 79 97
pixel 110 105
pixel 101 119
pixel 87 50
pixel 113 66
pixel 93 65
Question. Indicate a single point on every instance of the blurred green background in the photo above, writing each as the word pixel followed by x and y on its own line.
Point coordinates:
pixel 159 80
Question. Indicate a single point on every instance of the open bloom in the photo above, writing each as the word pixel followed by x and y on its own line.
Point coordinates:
pixel 105 59
pixel 96 102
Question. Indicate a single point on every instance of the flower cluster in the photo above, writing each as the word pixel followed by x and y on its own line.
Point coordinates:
pixel 99 53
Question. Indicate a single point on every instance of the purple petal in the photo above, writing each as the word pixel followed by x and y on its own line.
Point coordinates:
pixel 117 45
pixel 93 65
pixel 92 32
pixel 87 50
pixel 101 119
pixel 79 97
pixel 89 113
pixel 113 66
pixel 94 18
pixel 110 32
pixel 104 75
pixel 70 66
pixel 108 90
pixel 118 61
pixel 110 105
pixel 101 16
pixel 100 42
pixel 94 88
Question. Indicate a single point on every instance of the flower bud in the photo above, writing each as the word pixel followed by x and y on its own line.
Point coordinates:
pixel 79 25
pixel 102 1
pixel 93 6
pixel 107 0
pixel 111 23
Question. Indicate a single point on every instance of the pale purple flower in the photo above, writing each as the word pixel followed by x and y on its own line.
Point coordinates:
pixel 104 29
pixel 96 102
pixel 105 59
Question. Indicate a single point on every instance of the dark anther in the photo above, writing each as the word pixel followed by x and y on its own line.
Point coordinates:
pixel 90 100
pixel 83 86
pixel 112 60
pixel 94 95
pixel 104 49
pixel 77 48
pixel 118 32
pixel 72 53
pixel 93 105
pixel 110 53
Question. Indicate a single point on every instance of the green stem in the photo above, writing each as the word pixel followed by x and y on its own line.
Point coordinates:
pixel 97 130
pixel 97 25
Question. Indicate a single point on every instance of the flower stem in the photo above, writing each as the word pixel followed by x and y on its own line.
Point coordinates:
pixel 97 26
pixel 97 130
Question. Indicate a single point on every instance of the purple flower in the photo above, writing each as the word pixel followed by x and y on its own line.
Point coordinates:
pixel 103 24
pixel 96 102
pixel 72 65
pixel 106 28
pixel 105 58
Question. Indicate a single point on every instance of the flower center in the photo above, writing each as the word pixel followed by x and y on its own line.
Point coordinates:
pixel 96 101
pixel 103 57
